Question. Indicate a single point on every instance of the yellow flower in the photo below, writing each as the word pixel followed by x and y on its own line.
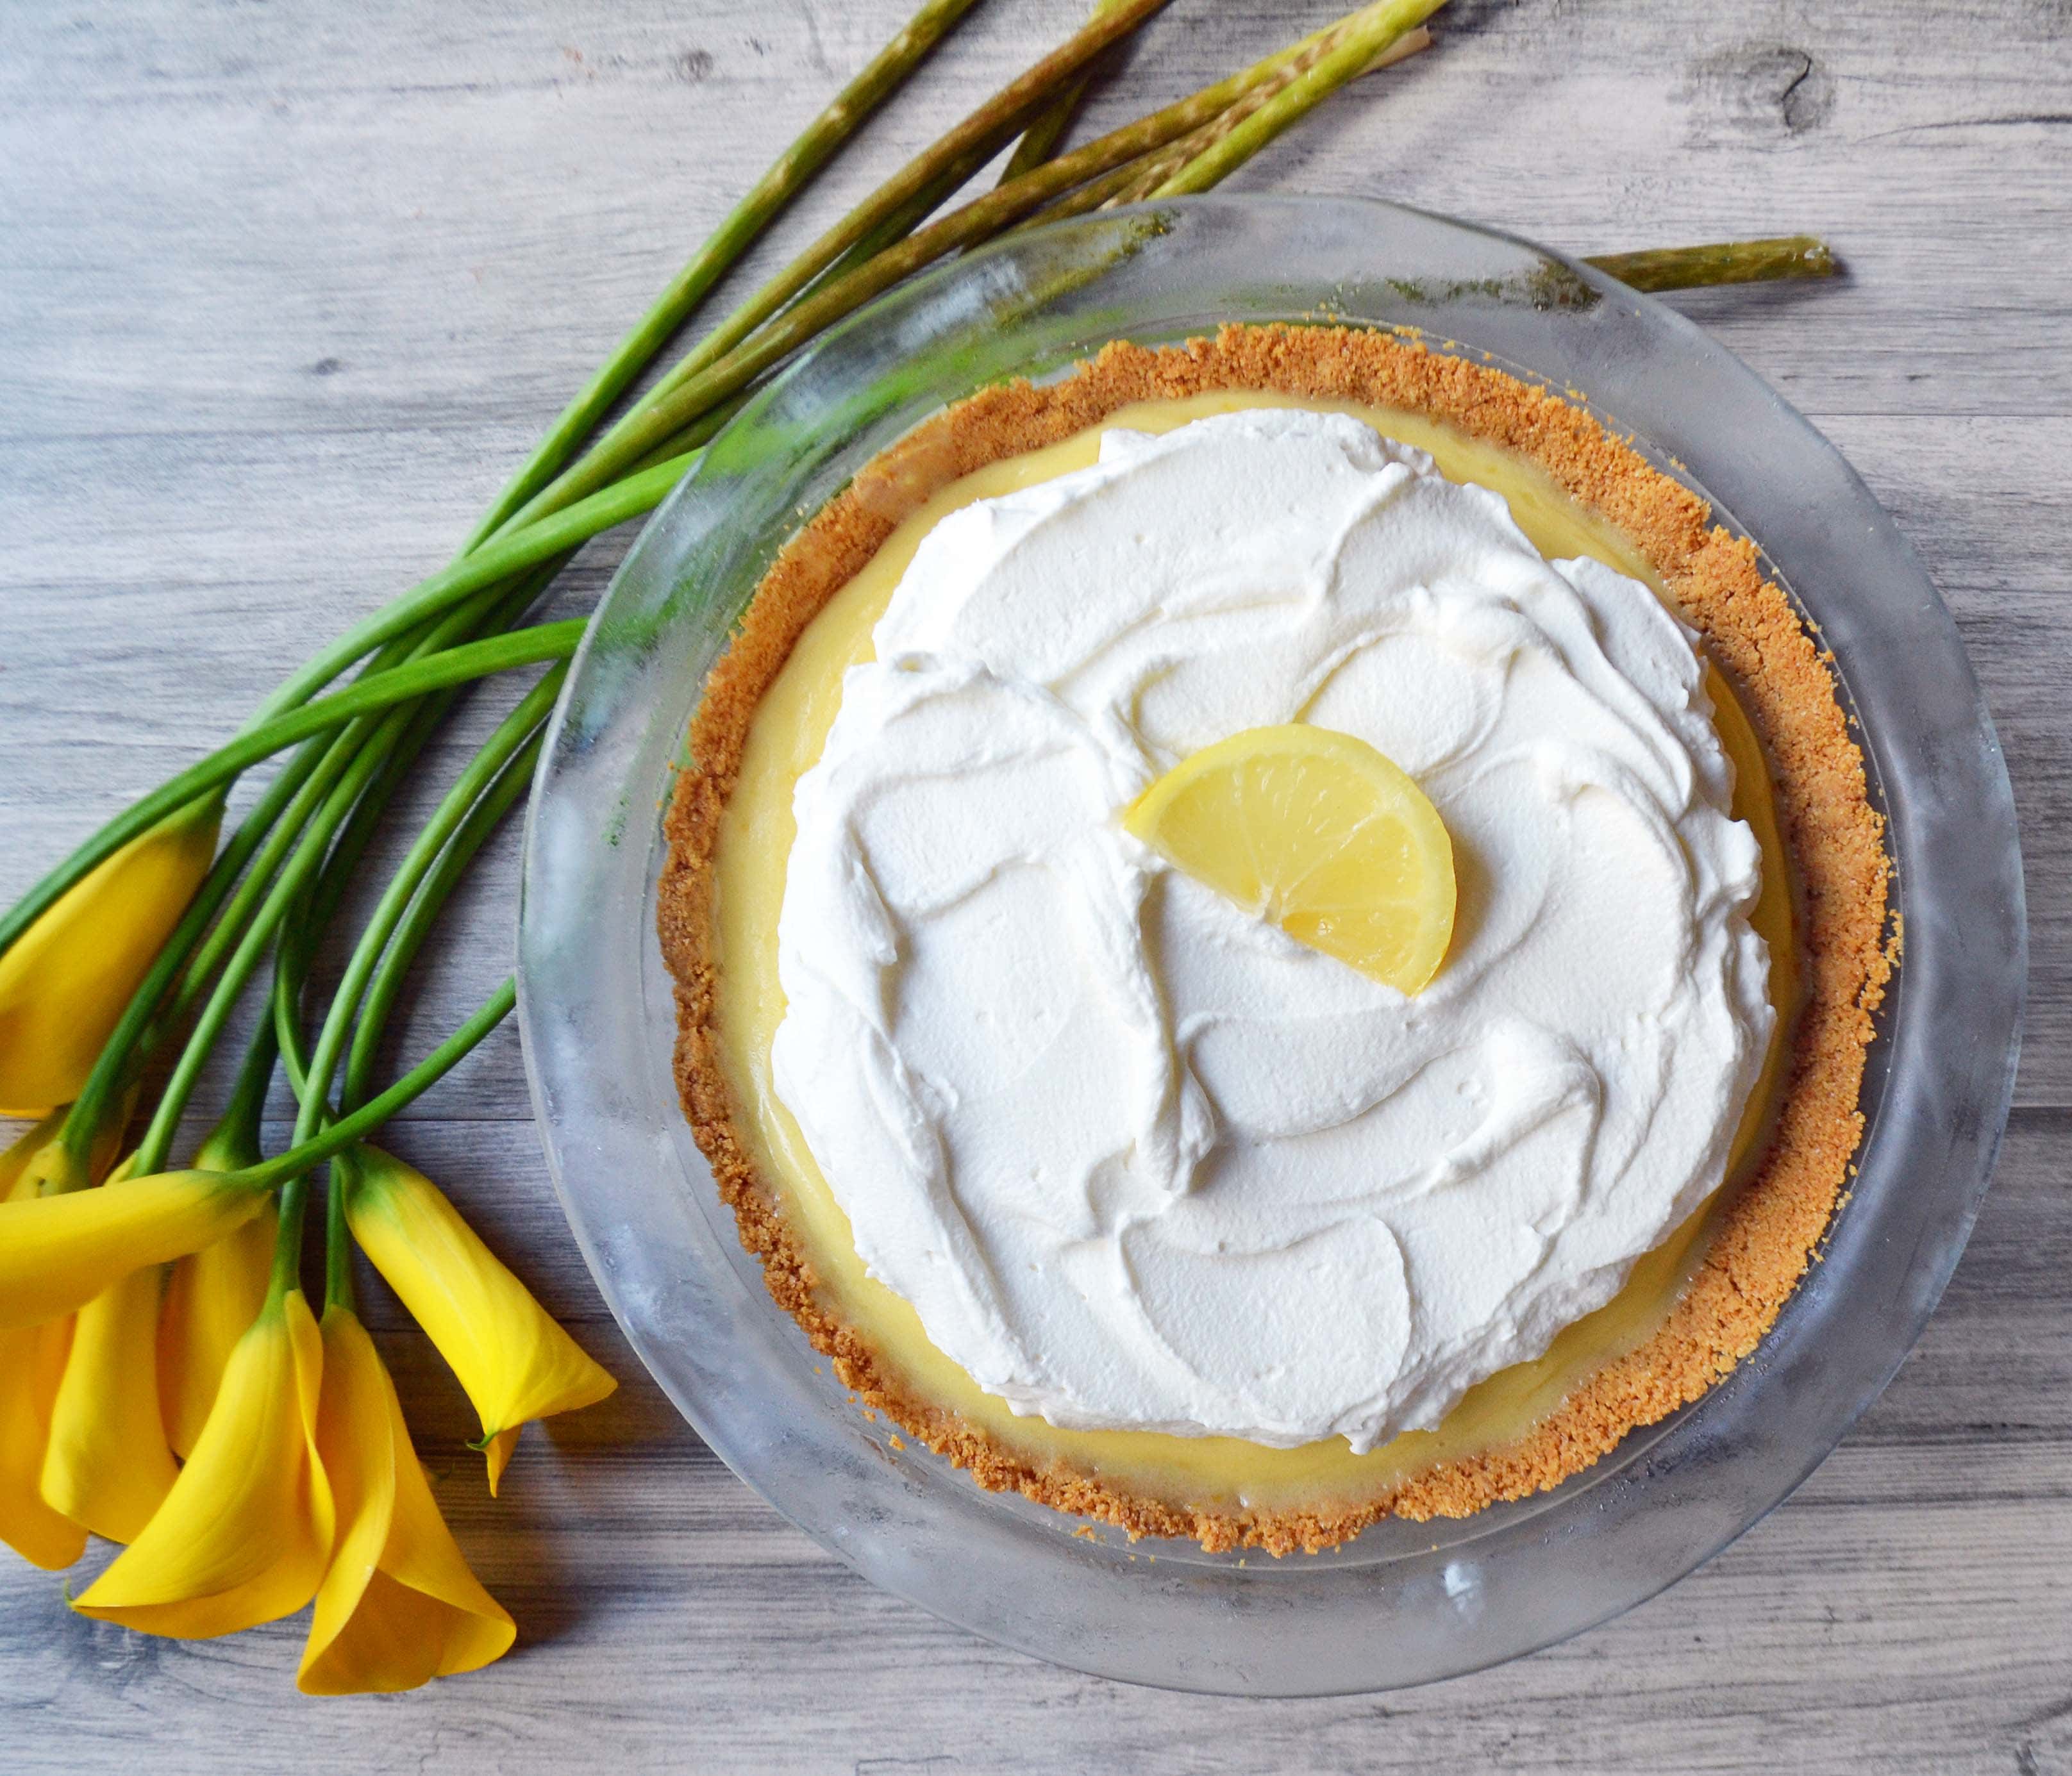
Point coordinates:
pixel 398 1605
pixel 213 1295
pixel 32 1361
pixel 516 1363
pixel 246 1533
pixel 14 1177
pixel 65 981
pixel 58 1252
pixel 50 1167
pixel 106 1465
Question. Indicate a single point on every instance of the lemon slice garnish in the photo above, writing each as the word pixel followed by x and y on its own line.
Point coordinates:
pixel 1319 834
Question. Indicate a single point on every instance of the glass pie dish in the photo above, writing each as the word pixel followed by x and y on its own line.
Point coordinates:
pixel 1404 1603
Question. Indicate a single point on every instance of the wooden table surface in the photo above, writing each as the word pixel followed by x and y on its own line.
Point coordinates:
pixel 284 291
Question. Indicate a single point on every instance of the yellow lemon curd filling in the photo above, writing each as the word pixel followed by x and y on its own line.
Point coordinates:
pixel 786 739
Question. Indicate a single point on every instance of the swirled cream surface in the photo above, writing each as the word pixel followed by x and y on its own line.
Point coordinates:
pixel 1139 1160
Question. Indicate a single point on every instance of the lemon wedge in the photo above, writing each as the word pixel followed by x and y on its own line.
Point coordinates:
pixel 1319 834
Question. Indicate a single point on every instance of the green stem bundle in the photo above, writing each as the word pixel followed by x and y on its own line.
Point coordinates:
pixel 515 731
pixel 416 925
pixel 357 1124
pixel 379 690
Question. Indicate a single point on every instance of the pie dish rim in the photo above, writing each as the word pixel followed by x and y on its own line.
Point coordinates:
pixel 1389 1609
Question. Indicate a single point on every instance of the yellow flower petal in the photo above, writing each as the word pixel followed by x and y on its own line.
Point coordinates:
pixel 49 1168
pixel 214 1295
pixel 516 1363
pixel 32 1361
pixel 58 1252
pixel 496 1447
pixel 65 981
pixel 14 1180
pixel 107 1466
pixel 399 1606
pixel 246 1534
pixel 43 1164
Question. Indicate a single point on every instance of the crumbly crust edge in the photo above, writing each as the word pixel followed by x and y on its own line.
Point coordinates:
pixel 1769 1233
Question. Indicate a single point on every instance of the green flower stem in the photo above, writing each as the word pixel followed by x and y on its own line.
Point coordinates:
pixel 1161 167
pixel 339 1291
pixel 511 552
pixel 487 567
pixel 482 819
pixel 371 1115
pixel 1108 187
pixel 477 801
pixel 493 612
pixel 1365 35
pixel 1038 144
pixel 236 1135
pixel 516 731
pixel 466 838
pixel 365 765
pixel 256 934
pixel 1039 141
pixel 257 834
pixel 499 609
pixel 1725 262
pixel 326 895
pixel 318 901
pixel 378 690
pixel 259 842
pixel 331 754
pixel 765 201
pixel 284 1012
pixel 287 1241
pixel 194 951
pixel 344 743
pixel 971 143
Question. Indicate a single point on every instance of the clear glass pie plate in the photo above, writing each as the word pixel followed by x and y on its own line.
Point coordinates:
pixel 1403 1603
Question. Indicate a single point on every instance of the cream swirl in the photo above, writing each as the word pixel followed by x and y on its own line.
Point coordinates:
pixel 1142 1161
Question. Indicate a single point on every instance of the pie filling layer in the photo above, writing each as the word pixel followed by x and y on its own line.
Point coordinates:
pixel 1111 1167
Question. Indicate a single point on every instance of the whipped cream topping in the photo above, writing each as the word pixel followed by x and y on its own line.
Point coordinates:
pixel 1138 1159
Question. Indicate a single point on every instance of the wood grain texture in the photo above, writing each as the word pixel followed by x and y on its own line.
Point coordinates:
pixel 284 293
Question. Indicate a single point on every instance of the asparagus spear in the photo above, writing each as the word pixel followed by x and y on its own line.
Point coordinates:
pixel 968 146
pixel 1348 58
pixel 1137 181
pixel 1724 262
pixel 1039 141
pixel 681 398
pixel 765 200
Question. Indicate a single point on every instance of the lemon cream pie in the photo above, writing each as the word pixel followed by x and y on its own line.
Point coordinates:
pixel 1236 933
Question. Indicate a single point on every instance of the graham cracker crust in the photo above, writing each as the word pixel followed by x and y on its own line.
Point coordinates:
pixel 1768 1234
